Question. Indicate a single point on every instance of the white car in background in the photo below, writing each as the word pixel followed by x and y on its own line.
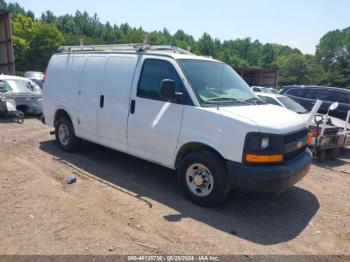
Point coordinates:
pixel 36 77
pixel 261 89
pixel 283 101
pixel 287 102
pixel 266 90
pixel 273 90
pixel 26 94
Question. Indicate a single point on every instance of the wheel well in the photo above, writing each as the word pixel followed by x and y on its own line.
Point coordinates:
pixel 193 147
pixel 61 113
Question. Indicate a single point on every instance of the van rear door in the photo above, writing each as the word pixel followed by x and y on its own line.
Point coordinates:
pixel 153 124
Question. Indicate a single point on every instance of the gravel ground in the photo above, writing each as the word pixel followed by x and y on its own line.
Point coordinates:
pixel 124 205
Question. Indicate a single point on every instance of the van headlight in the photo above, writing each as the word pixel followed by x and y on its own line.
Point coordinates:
pixel 265 141
pixel 256 142
pixel 263 148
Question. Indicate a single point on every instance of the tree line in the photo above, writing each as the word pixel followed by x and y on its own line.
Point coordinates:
pixel 35 39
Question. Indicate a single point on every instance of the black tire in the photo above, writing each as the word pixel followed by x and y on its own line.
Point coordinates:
pixel 72 141
pixel 217 168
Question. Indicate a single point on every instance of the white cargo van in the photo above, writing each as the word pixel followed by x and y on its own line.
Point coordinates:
pixel 182 111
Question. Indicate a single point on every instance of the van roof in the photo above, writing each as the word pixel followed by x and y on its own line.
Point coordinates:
pixel 161 50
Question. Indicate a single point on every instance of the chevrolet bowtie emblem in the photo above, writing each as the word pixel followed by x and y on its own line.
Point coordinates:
pixel 300 144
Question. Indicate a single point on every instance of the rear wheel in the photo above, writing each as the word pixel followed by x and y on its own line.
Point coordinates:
pixel 65 135
pixel 203 178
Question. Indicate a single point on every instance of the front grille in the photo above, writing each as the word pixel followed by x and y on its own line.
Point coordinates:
pixel 292 146
pixel 294 139
pixel 293 155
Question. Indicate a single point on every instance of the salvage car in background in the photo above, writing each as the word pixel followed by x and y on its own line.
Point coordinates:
pixel 8 108
pixel 326 134
pixel 284 101
pixel 273 90
pixel 287 102
pixel 325 138
pixel 261 89
pixel 307 96
pixel 26 93
pixel 284 89
pixel 36 77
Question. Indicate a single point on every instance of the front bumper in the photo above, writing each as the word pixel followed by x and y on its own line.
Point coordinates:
pixel 268 178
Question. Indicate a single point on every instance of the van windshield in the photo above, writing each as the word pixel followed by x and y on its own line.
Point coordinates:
pixel 216 82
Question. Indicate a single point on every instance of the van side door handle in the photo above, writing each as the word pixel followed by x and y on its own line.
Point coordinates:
pixel 132 106
pixel 102 101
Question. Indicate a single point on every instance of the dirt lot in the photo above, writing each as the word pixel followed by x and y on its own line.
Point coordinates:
pixel 124 205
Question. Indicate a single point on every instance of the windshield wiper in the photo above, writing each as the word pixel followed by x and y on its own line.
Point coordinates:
pixel 255 100
pixel 221 99
pixel 224 99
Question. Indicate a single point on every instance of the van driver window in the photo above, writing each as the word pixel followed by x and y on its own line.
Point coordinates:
pixel 153 72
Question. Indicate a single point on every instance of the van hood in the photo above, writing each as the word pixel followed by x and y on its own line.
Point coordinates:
pixel 269 118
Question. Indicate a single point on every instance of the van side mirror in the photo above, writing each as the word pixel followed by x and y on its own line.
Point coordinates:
pixel 168 90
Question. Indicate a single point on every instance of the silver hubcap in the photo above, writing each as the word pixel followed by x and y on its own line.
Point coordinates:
pixel 199 180
pixel 63 134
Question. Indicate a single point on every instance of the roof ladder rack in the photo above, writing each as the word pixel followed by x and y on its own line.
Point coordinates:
pixel 174 49
pixel 84 48
pixel 136 47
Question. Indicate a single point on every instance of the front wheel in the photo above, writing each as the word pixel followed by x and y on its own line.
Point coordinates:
pixel 65 135
pixel 203 178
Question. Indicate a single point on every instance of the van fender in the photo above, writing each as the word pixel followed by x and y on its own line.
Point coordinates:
pixel 193 146
pixel 66 110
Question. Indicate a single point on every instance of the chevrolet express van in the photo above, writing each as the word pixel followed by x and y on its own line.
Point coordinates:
pixel 189 113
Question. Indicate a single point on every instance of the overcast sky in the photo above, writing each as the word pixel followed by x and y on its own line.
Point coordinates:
pixel 297 23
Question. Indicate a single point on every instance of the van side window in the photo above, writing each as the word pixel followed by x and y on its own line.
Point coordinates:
pixel 153 72
pixel 255 89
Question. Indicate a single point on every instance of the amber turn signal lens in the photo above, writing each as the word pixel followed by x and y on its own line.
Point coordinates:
pixel 263 158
